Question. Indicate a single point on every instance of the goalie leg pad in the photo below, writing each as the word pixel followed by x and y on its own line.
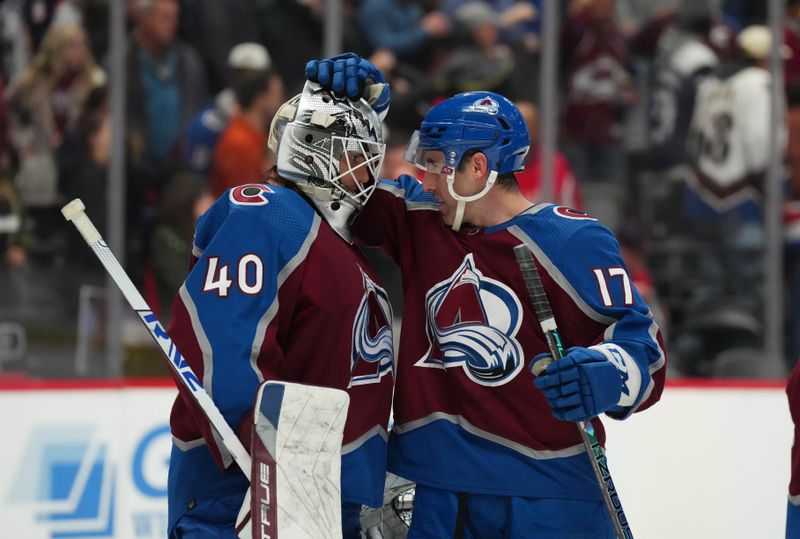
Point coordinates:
pixel 296 476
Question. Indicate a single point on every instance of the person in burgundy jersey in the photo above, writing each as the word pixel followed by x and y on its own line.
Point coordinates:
pixel 793 505
pixel 492 454
pixel 276 291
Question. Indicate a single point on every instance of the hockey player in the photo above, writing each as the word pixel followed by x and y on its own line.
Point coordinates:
pixel 492 455
pixel 793 505
pixel 276 291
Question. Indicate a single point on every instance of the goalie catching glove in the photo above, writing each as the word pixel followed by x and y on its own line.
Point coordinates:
pixel 350 75
pixel 589 381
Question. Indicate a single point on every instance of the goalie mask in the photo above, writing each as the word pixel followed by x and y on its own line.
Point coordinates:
pixel 332 149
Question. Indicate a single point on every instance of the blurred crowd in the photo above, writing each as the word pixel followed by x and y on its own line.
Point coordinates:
pixel 664 135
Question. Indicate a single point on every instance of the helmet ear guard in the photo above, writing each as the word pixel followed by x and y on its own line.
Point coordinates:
pixel 322 142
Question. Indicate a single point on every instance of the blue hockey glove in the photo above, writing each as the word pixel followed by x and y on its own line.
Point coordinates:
pixel 350 75
pixel 581 385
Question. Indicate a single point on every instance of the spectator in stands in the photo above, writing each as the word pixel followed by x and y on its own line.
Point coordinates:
pixel 241 154
pixel 207 125
pixel 566 191
pixel 403 27
pixel 598 87
pixel 43 103
pixel 791 37
pixel 83 170
pixel 167 86
pixel 633 15
pixel 514 18
pixel 300 22
pixel 483 62
pixel 413 90
pixel 729 147
pixel 213 28
pixel 684 57
pixel 184 199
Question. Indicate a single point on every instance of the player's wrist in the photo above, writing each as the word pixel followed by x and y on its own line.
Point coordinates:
pixel 628 369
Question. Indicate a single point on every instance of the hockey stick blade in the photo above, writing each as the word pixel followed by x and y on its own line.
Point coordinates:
pixel 597 458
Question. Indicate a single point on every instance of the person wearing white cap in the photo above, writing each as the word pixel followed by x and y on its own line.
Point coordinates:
pixel 207 126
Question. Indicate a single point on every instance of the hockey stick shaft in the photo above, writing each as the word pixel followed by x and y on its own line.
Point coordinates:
pixel 74 212
pixel 544 313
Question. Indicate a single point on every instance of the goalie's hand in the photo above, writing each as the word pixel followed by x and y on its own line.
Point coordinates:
pixel 350 75
pixel 581 385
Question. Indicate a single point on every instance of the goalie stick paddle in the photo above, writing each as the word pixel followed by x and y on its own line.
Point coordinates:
pixel 297 460
pixel 597 457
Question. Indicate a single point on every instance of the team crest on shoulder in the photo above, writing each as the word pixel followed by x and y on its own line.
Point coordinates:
pixel 472 322
pixel 486 105
pixel 569 213
pixel 250 194
pixel 373 346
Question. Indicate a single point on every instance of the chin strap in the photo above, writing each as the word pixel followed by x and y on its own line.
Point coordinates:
pixel 462 200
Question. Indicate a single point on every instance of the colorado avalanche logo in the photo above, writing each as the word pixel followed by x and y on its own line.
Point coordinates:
pixel 373 346
pixel 486 105
pixel 250 194
pixel 471 323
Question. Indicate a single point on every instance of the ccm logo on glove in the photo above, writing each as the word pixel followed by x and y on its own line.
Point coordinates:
pixel 589 381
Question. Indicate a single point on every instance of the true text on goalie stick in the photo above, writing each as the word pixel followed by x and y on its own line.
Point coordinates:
pixel 544 313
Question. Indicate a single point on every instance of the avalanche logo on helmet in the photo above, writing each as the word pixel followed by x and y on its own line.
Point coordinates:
pixel 485 104
pixel 472 322
pixel 372 336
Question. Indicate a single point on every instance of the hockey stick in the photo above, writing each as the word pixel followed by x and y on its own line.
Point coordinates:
pixel 74 211
pixel 325 423
pixel 597 457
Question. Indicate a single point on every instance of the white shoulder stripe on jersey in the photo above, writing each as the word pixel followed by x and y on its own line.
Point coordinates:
pixel 208 363
pixel 285 272
pixel 565 285
pixel 536 208
pixel 558 277
pixel 186 446
pixel 794 500
pixel 472 429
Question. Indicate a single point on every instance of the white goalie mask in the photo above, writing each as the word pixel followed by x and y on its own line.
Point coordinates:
pixel 332 148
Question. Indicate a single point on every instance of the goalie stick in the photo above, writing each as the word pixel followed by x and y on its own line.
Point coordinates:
pixel 328 418
pixel 597 457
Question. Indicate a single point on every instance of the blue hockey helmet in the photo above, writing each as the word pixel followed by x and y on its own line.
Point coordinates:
pixel 483 121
